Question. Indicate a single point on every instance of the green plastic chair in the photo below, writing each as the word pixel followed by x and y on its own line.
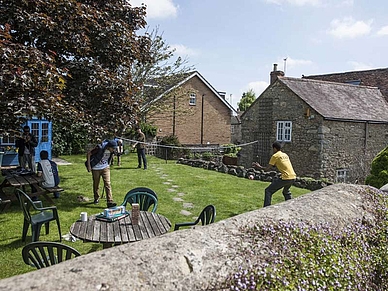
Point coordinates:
pixel 144 199
pixel 207 216
pixel 36 215
pixel 43 254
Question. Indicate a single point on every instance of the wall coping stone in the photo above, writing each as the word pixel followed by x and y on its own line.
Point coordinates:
pixel 190 259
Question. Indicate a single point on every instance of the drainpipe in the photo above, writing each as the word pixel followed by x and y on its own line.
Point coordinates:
pixel 203 98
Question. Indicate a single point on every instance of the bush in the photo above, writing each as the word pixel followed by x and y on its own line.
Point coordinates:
pixel 379 170
pixel 230 150
pixel 171 150
pixel 207 156
pixel 69 140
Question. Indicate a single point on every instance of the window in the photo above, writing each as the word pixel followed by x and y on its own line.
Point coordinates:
pixel 45 132
pixel 193 97
pixel 341 176
pixel 283 130
pixel 8 140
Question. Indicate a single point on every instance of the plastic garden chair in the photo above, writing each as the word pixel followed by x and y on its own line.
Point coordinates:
pixel 144 199
pixel 36 215
pixel 207 216
pixel 44 254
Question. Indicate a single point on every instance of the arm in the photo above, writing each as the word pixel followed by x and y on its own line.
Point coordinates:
pixel 260 167
pixel 89 153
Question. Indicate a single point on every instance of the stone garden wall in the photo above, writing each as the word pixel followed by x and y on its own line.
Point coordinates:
pixel 239 171
pixel 191 259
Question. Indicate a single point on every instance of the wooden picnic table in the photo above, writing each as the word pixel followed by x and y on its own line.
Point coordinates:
pixel 120 231
pixel 15 179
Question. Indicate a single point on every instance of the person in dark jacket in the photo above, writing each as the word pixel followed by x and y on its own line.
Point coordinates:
pixel 97 162
pixel 26 149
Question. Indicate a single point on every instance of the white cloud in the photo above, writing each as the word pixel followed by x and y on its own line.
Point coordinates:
pixel 258 87
pixel 383 31
pixel 349 28
pixel 289 63
pixel 296 2
pixel 317 3
pixel 183 51
pixel 359 66
pixel 158 8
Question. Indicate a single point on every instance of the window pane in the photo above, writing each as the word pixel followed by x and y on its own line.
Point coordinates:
pixel 45 131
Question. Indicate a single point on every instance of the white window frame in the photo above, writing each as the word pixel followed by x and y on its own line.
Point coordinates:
pixel 193 99
pixel 8 140
pixel 284 131
pixel 341 175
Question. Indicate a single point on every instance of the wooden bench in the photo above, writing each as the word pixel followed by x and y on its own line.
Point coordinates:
pixel 54 189
pixel 4 204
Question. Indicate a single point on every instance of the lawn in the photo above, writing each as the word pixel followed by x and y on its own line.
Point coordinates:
pixel 230 195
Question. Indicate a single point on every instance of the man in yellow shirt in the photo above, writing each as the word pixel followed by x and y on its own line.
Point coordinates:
pixel 282 162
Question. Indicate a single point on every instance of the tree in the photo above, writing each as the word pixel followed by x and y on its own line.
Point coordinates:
pixel 246 100
pixel 70 61
pixel 162 71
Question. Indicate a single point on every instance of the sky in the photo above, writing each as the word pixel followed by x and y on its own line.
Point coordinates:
pixel 234 44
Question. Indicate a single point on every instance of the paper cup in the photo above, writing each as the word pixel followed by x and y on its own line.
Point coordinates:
pixel 84 216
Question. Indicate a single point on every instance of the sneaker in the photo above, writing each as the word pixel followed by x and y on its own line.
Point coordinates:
pixel 111 204
pixel 139 167
pixel 96 201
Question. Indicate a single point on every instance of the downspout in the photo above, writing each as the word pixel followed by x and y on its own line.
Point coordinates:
pixel 203 98
pixel 366 136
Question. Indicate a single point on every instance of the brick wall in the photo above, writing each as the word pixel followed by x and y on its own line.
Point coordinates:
pixel 188 118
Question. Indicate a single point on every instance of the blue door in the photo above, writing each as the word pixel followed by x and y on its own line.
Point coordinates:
pixel 42 129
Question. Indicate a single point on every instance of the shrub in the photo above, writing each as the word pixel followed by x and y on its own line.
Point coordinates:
pixel 379 170
pixel 207 156
pixel 230 150
pixel 172 150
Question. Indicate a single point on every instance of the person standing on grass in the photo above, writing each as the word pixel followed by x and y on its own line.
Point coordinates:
pixel 97 162
pixel 140 148
pixel 49 171
pixel 118 152
pixel 282 162
pixel 26 152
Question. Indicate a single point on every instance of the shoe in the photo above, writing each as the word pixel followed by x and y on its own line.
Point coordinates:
pixel 111 204
pixel 96 201
pixel 139 167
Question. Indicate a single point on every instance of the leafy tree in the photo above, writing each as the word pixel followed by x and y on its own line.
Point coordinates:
pixel 379 170
pixel 246 100
pixel 70 61
pixel 162 71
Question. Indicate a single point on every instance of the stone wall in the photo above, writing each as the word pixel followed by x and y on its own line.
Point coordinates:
pixel 319 147
pixel 191 259
pixel 239 171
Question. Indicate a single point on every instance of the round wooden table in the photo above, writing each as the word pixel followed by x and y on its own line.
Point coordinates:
pixel 120 231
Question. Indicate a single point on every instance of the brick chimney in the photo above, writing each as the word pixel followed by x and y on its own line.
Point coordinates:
pixel 275 74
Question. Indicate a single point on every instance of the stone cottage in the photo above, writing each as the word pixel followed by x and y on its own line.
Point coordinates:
pixel 329 130
pixel 191 109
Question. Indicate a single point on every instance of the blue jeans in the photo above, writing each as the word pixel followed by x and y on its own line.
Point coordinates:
pixel 141 156
pixel 276 185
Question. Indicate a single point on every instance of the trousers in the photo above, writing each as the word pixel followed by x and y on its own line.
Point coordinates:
pixel 276 185
pixel 105 174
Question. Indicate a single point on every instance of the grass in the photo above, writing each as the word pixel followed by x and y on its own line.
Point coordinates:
pixel 230 195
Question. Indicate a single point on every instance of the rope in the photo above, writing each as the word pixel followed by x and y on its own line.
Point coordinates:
pixel 190 148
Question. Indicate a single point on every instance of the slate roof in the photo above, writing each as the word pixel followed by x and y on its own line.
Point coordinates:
pixel 340 101
pixel 375 78
pixel 183 78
